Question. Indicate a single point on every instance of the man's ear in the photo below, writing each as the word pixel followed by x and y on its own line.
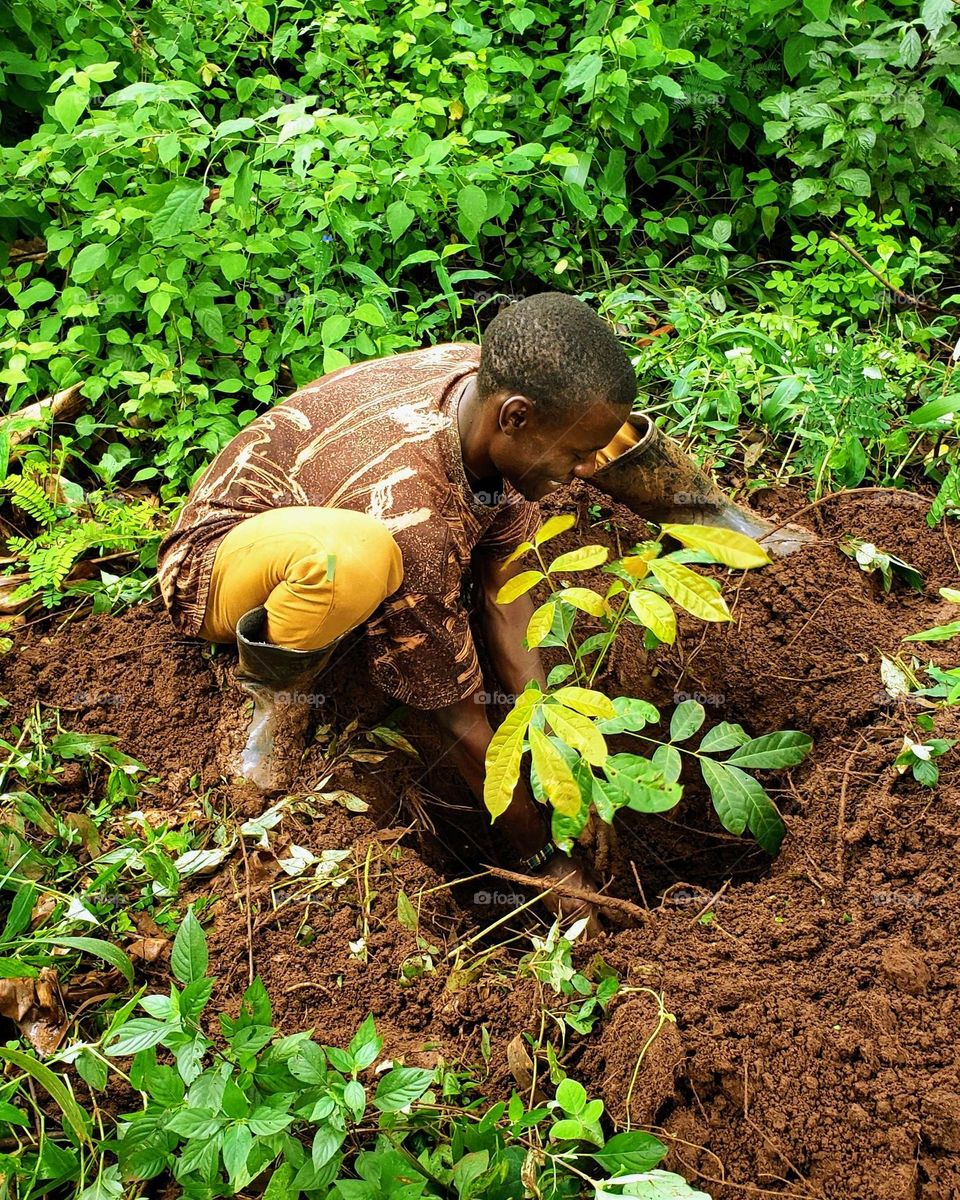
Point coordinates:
pixel 516 413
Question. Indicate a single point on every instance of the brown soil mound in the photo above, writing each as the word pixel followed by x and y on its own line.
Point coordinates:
pixel 812 1050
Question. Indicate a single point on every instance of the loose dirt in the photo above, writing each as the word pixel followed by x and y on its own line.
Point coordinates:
pixel 811 1045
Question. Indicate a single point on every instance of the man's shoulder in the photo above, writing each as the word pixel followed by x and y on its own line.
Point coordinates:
pixel 393 372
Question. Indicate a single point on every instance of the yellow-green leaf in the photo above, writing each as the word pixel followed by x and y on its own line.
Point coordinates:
pixel 585 700
pixel 554 527
pixel 502 760
pixel 586 600
pixel 555 776
pixel 577 731
pixel 725 545
pixel 540 623
pixel 655 613
pixel 520 551
pixel 581 559
pixel 951 594
pixel 690 590
pixel 519 585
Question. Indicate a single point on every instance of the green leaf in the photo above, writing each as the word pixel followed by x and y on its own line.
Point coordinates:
pixel 370 314
pixel 20 912
pixel 399 218
pixel 571 1096
pixel 632 716
pixel 854 180
pixel 773 750
pixel 667 760
pixel 741 802
pixel 687 718
pixel 471 211
pixel 134 1036
pixel 90 259
pixel 400 1087
pixel 631 1151
pixel 180 211
pixel 68 106
pixel 51 1083
pixel 188 959
pixel 723 737
pixel 99 949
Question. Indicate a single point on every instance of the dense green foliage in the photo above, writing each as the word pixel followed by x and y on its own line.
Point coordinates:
pixel 236 198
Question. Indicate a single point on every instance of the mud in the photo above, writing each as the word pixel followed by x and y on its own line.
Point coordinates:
pixel 787 1026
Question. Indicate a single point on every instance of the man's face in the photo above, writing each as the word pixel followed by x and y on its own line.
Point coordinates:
pixel 538 456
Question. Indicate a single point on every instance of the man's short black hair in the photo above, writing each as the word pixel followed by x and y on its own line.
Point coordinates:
pixel 558 352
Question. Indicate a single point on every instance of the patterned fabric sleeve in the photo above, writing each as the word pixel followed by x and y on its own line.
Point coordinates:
pixel 517 523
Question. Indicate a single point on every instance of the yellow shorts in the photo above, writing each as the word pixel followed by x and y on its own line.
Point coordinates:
pixel 319 572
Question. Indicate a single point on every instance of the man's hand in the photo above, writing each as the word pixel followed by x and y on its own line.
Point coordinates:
pixel 568 908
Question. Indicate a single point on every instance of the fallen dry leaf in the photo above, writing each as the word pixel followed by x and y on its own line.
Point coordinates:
pixel 149 949
pixel 34 1005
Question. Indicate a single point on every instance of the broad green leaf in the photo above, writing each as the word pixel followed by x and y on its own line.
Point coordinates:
pixel 725 545
pixel 951 594
pixel 370 314
pixel 53 1085
pixel 180 211
pixel 631 1151
pixel 68 106
pixel 471 211
pixel 540 623
pixel 99 949
pixel 581 559
pixel 740 802
pixel 399 218
pixel 89 260
pixel 554 527
pixel 188 959
pixel 773 750
pixel 690 590
pixel 587 701
pixel 136 1035
pixel 938 633
pixel 518 586
pixel 556 778
pixel 577 731
pixel 502 760
pixel 687 718
pixel 585 599
pixel 723 737
pixel 667 760
pixel 655 614
pixel 632 716
pixel 18 918
pixel 642 783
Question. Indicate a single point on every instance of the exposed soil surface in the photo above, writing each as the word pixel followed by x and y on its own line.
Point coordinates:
pixel 814 1050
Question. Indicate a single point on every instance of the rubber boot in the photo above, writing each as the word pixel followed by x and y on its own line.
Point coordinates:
pixel 278 680
pixel 662 484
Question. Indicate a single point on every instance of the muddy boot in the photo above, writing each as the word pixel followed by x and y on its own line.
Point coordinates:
pixel 279 682
pixel 653 477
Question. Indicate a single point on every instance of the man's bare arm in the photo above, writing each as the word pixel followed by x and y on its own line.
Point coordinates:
pixel 468 733
pixel 504 627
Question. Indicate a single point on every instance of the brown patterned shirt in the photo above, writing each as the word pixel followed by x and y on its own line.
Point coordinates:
pixel 378 437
